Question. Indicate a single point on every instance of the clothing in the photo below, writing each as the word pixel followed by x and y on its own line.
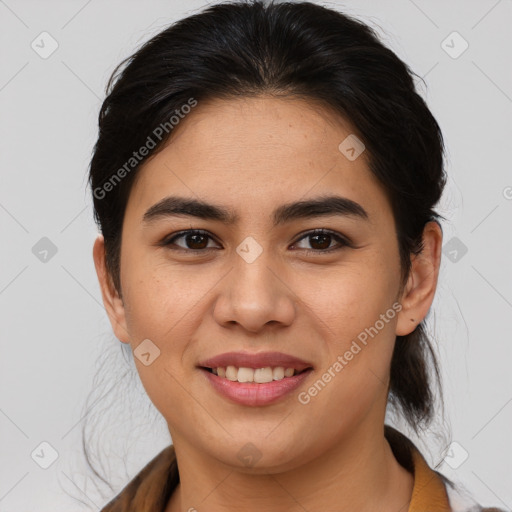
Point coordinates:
pixel 151 489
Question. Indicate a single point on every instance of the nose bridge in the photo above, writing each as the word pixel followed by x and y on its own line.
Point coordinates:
pixel 252 272
pixel 254 295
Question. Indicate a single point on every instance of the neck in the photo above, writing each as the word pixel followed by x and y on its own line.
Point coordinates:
pixel 361 473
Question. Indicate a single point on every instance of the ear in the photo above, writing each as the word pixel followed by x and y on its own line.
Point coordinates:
pixel 112 301
pixel 420 289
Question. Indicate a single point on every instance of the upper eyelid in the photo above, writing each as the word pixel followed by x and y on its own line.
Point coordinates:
pixel 320 231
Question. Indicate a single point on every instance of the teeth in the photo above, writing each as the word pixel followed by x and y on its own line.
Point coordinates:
pixel 288 372
pixel 278 373
pixel 259 375
pixel 262 375
pixel 245 375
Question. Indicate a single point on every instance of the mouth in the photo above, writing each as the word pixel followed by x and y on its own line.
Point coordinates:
pixel 259 367
pixel 256 379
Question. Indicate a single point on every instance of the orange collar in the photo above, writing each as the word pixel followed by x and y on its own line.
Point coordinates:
pixel 429 491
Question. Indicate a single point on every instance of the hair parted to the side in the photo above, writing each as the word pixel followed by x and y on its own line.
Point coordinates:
pixel 290 49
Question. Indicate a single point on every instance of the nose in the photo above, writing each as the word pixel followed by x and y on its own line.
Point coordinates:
pixel 253 295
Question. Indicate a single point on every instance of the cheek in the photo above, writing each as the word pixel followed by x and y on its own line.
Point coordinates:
pixel 357 315
pixel 351 300
pixel 160 308
pixel 160 299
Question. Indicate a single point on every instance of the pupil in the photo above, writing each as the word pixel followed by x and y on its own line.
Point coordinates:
pixel 195 244
pixel 326 238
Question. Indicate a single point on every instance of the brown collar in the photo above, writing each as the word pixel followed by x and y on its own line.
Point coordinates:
pixel 152 487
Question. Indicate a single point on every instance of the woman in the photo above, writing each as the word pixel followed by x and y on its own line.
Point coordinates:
pixel 265 179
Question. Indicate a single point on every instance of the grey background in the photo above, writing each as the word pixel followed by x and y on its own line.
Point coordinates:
pixel 54 329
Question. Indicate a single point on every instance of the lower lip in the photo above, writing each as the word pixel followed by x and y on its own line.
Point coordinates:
pixel 248 393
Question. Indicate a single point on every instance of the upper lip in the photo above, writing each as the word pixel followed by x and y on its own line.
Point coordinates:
pixel 255 360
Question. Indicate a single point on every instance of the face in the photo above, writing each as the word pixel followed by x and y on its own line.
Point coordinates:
pixel 259 276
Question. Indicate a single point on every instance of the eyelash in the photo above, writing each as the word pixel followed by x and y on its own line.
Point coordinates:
pixel 342 241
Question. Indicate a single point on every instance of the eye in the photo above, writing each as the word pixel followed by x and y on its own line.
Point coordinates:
pixel 320 241
pixel 192 240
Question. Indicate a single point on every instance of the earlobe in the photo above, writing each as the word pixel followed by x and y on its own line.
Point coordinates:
pixel 113 303
pixel 420 289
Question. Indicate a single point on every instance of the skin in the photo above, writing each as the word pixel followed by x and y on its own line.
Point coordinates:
pixel 252 155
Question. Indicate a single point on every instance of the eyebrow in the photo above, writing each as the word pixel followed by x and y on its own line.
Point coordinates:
pixel 320 206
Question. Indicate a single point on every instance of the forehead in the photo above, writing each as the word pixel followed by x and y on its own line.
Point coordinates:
pixel 258 151
pixel 265 125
